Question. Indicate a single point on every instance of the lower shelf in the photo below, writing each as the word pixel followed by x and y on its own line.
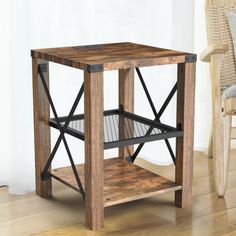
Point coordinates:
pixel 123 181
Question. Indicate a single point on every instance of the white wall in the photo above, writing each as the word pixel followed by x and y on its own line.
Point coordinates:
pixel 183 25
pixel 59 23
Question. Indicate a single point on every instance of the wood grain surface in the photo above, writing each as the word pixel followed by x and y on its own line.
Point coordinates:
pixel 126 100
pixel 222 127
pixel 123 181
pixel 93 169
pixel 42 142
pixel 157 215
pixel 112 56
pixel 184 145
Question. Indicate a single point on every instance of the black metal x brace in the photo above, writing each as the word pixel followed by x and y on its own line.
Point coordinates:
pixel 45 173
pixel 157 116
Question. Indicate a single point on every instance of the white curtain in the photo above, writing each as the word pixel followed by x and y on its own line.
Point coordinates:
pixel 28 24
pixel 5 96
pixel 203 88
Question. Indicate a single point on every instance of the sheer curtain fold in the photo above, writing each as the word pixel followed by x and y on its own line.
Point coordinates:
pixel 25 25
pixel 5 97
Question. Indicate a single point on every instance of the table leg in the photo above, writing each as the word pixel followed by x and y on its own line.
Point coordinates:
pixel 184 145
pixel 93 118
pixel 126 99
pixel 42 140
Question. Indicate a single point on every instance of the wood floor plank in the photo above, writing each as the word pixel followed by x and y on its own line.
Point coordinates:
pixel 157 215
pixel 5 197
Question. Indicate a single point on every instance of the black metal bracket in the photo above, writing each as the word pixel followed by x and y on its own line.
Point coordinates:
pixel 129 159
pixel 156 114
pixel 190 58
pixel 44 67
pixel 45 174
pixel 94 68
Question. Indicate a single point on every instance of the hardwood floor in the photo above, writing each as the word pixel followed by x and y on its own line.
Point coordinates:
pixel 64 213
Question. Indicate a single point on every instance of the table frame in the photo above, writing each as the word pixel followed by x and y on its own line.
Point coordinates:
pixel 93 115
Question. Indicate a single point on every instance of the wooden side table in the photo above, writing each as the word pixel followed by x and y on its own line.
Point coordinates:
pixel 103 183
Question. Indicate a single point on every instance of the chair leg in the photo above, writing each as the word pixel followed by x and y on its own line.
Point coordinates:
pixel 210 144
pixel 221 152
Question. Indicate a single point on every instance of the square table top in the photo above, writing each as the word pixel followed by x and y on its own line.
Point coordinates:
pixel 112 56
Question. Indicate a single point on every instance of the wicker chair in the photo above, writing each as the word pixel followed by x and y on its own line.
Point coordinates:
pixel 220 55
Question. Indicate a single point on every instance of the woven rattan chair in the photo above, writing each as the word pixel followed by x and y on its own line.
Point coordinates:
pixel 220 55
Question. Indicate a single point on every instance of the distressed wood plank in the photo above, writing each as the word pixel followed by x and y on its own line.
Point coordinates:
pixel 112 56
pixel 42 140
pixel 93 121
pixel 126 100
pixel 184 145
pixel 123 181
pixel 209 215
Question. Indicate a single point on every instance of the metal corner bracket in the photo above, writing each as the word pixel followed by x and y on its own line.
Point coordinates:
pixel 44 67
pixel 94 68
pixel 46 176
pixel 190 58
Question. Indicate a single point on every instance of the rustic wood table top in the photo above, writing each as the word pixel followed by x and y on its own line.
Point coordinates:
pixel 112 56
